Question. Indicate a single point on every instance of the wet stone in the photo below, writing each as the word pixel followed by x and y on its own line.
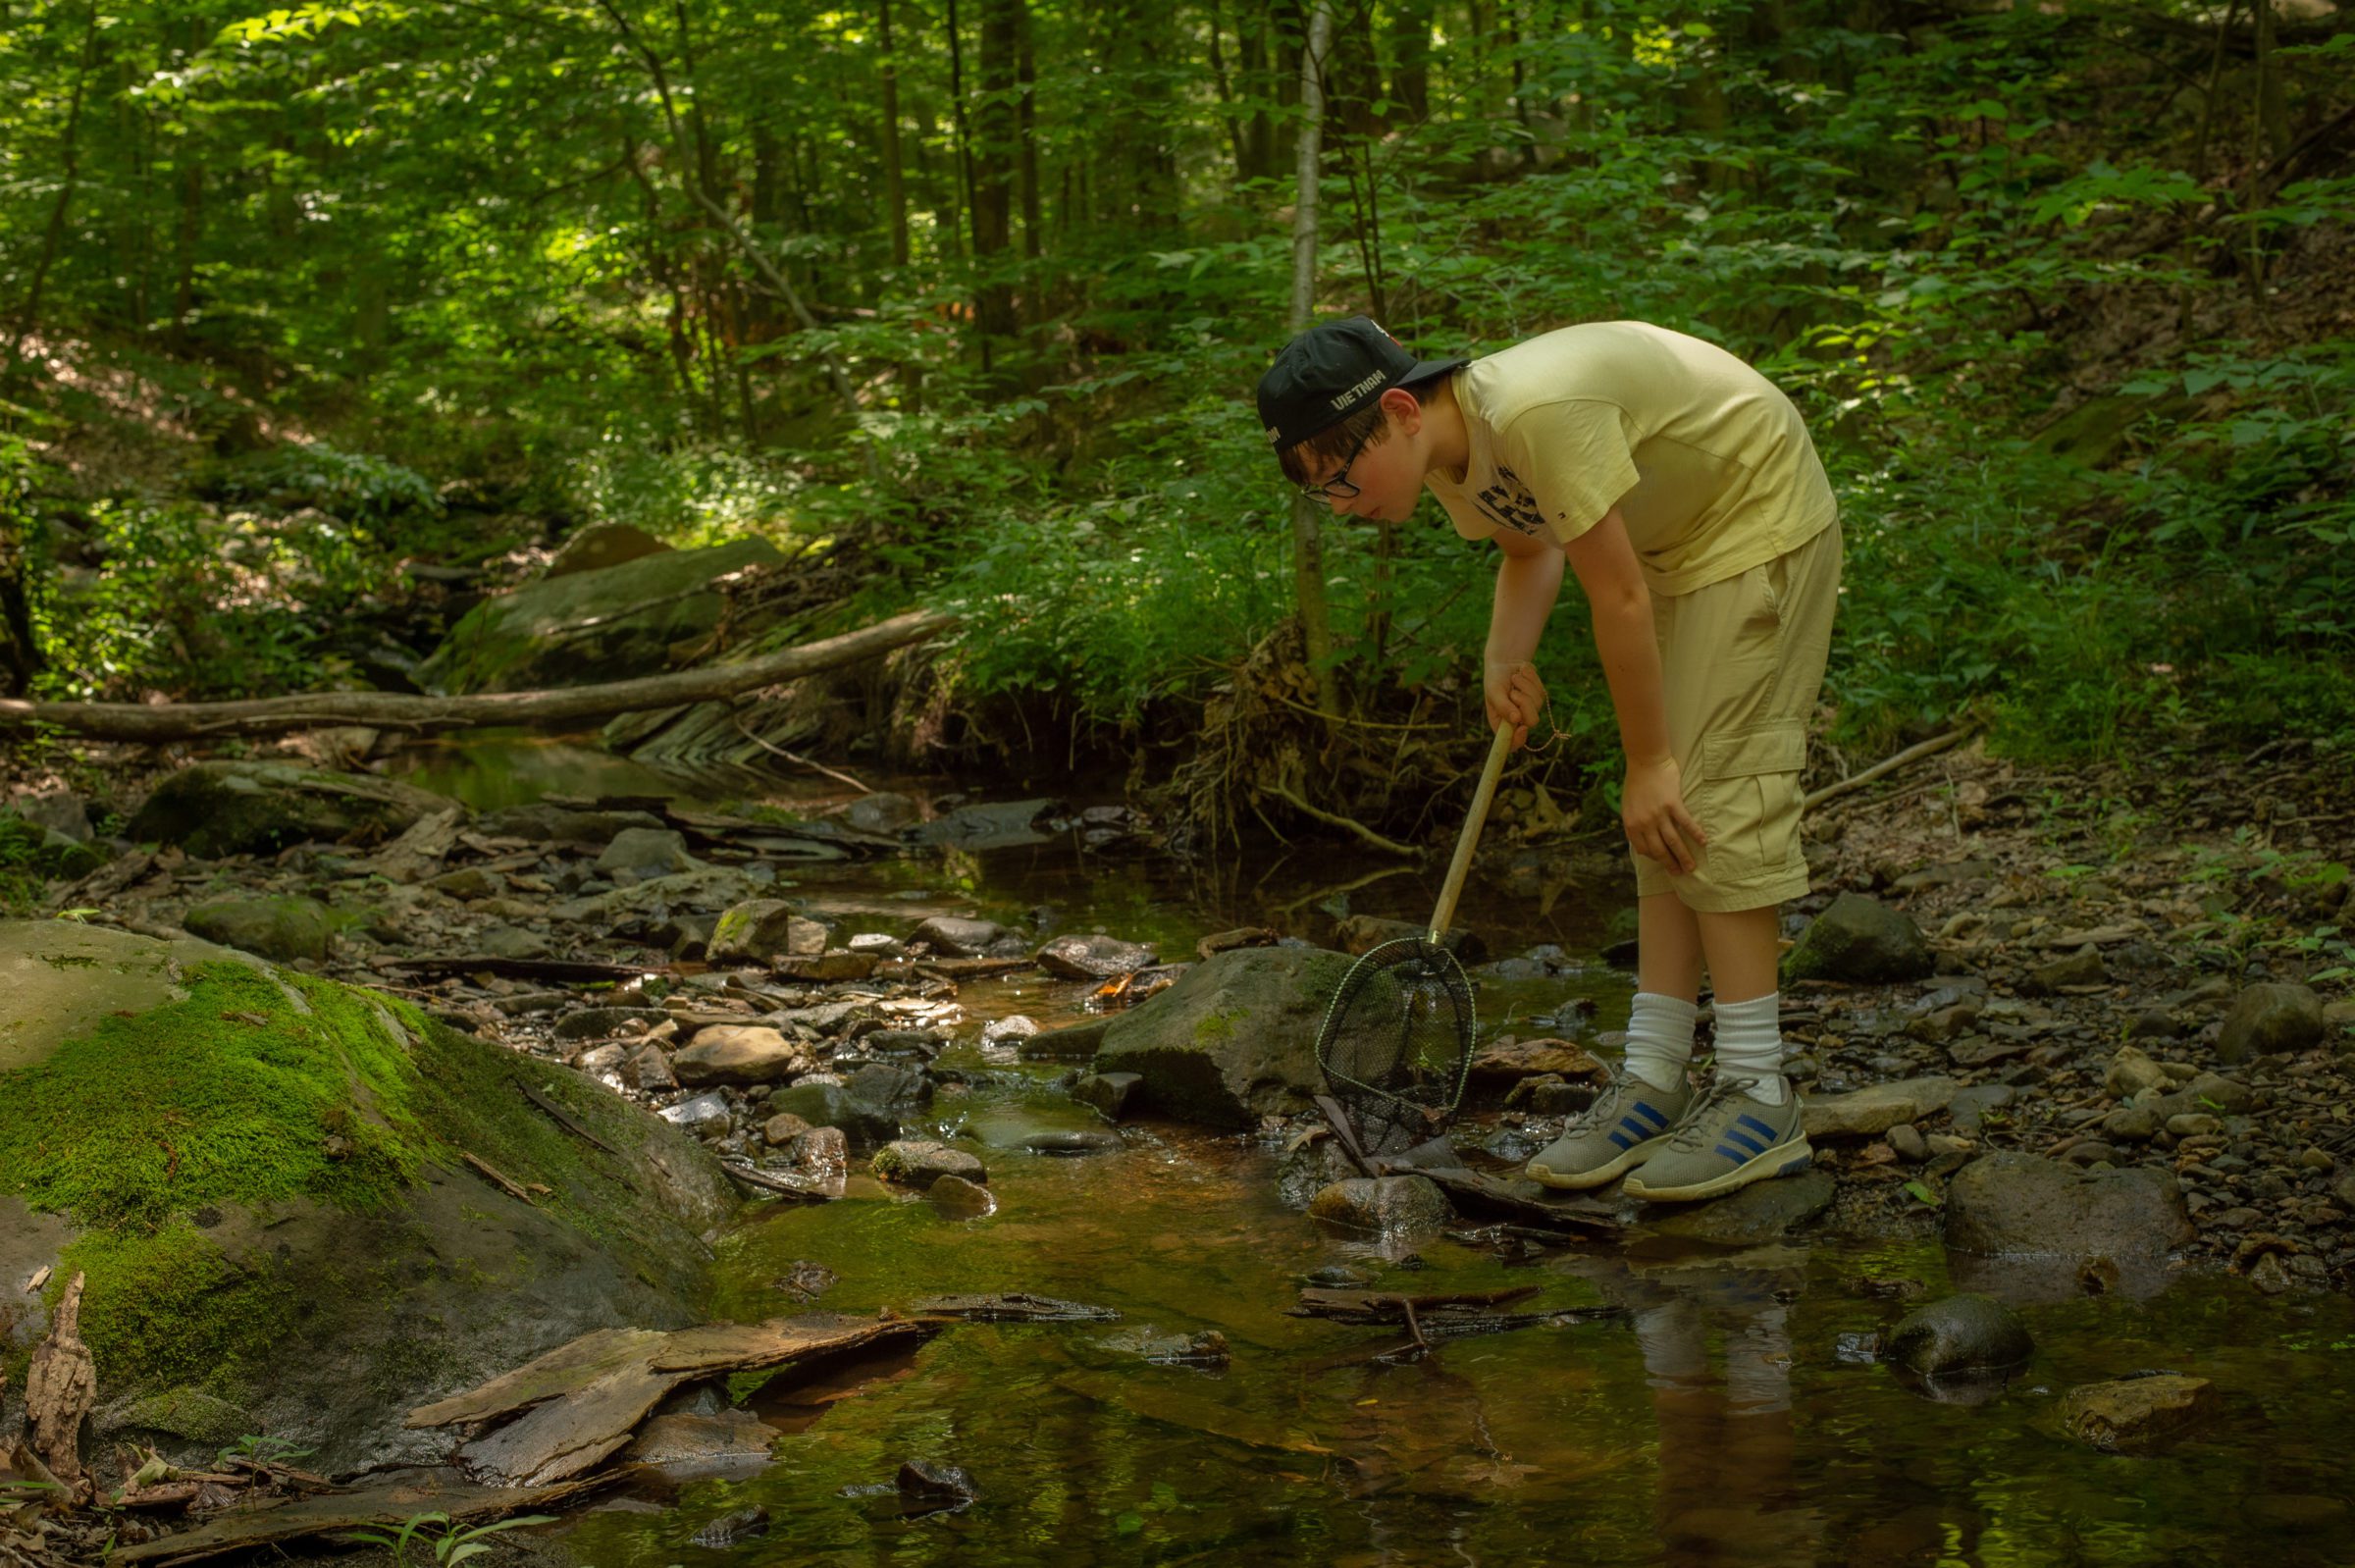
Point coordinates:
pixel 929 1488
pixel 881 944
pixel 1857 938
pixel 1750 1216
pixel 1869 1113
pixel 958 939
pixel 2136 1413
pixel 920 1162
pixel 758 929
pixel 1384 1204
pixel 2133 1124
pixel 602 1022
pixel 960 1198
pixel 2131 1072
pixel 1108 1092
pixel 1971 1103
pixel 2154 1024
pixel 884 811
pixel 731 1528
pixel 706 1116
pixel 1073 1142
pixel 1907 1139
pixel 1092 958
pixel 782 1129
pixel 1966 1333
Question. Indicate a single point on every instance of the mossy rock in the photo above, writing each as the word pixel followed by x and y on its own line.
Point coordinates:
pixel 281 928
pixel 262 1175
pixel 607 624
pixel 44 851
pixel 1233 1040
pixel 213 809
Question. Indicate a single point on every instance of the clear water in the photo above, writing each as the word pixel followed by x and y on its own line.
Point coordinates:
pixel 1716 1423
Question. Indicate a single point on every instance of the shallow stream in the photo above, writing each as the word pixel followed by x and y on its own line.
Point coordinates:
pixel 1719 1422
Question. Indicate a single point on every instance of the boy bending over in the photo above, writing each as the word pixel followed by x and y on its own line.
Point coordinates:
pixel 1679 487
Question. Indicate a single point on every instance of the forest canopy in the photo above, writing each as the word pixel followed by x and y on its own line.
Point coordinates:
pixel 967 297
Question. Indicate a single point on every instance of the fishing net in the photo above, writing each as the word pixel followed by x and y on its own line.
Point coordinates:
pixel 1395 1046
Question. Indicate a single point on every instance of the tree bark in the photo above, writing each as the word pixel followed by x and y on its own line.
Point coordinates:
pixel 996 155
pixel 70 178
pixel 1308 540
pixel 156 724
pixel 895 176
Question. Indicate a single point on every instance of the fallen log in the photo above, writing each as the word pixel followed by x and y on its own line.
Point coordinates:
pixel 156 724
pixel 266 1523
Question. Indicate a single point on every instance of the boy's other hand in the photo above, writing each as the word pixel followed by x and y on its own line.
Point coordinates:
pixel 1512 691
pixel 1651 807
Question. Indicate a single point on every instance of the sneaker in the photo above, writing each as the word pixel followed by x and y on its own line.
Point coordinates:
pixel 1628 1120
pixel 1727 1141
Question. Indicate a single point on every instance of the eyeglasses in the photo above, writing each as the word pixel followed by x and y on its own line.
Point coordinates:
pixel 1338 487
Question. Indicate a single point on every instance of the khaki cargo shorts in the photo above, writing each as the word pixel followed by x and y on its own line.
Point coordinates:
pixel 1741 662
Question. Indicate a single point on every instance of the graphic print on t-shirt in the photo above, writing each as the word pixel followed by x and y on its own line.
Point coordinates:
pixel 1510 504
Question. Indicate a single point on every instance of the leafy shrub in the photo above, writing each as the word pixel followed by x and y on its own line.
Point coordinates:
pixel 355 486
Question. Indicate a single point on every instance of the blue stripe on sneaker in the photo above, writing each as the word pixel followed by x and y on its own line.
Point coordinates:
pixel 1734 1155
pixel 1757 1126
pixel 1650 1114
pixel 1635 1127
pixel 1737 1135
pixel 1620 1140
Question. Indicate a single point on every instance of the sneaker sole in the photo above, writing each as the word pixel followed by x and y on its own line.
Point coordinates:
pixel 1784 1159
pixel 1580 1180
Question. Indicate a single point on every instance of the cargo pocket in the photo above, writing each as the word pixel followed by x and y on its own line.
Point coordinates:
pixel 1747 801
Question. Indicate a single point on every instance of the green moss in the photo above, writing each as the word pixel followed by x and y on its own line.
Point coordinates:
pixel 1214 1026
pixel 170 1308
pixel 226 1096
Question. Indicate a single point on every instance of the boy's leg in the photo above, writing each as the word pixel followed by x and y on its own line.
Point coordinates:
pixel 1635 1113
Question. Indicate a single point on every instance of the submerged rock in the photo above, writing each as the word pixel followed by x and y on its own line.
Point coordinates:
pixel 1860 939
pixel 1108 1092
pixel 1391 1205
pixel 1960 1335
pixel 928 1487
pixel 2137 1413
pixel 262 1175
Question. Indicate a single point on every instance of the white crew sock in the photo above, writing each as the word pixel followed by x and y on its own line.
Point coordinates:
pixel 1659 1039
pixel 1749 1046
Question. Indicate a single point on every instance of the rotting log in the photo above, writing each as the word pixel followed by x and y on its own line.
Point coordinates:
pixel 157 723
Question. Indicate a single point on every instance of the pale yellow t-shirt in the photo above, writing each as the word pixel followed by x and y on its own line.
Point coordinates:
pixel 1707 461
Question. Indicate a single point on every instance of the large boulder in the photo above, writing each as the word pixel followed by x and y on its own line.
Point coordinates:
pixel 607 624
pixel 1860 939
pixel 1231 1041
pixel 217 808
pixel 264 1178
pixel 2066 1225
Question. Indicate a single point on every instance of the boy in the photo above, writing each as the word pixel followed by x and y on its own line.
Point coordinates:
pixel 1679 487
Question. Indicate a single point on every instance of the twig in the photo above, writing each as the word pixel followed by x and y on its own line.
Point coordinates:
pixel 1887 765
pixel 1331 820
pixel 563 1118
pixel 1354 723
pixel 737 719
pixel 484 1170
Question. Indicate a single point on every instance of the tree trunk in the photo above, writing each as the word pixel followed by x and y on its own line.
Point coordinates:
pixel 1308 540
pixel 1027 74
pixel 1410 57
pixel 996 155
pixel 70 165
pixel 2273 111
pixel 895 179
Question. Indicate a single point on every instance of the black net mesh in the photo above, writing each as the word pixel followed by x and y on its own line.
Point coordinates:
pixel 1396 1043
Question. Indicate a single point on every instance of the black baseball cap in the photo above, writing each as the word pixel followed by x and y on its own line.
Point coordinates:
pixel 1329 372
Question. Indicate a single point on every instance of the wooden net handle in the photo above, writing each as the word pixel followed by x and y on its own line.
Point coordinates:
pixel 1461 867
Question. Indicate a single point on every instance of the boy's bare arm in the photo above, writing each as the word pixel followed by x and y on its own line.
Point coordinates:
pixel 1652 803
pixel 1528 580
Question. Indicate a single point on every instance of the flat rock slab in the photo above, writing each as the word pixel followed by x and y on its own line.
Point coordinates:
pixel 1528 1058
pixel 1869 1113
pixel 1752 1217
pixel 1092 958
